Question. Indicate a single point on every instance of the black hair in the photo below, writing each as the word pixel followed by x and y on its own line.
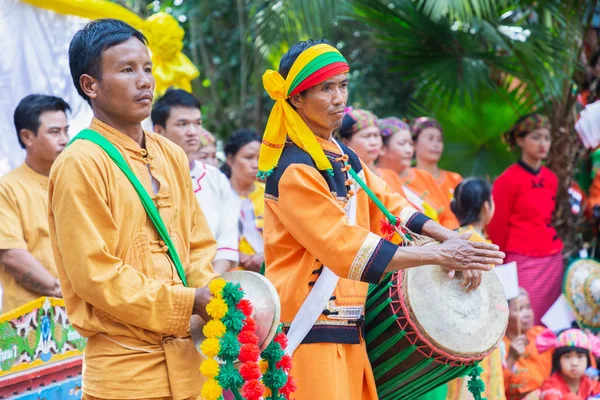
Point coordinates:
pixel 88 44
pixel 28 111
pixel 561 351
pixel 238 140
pixel 161 109
pixel 292 54
pixel 469 197
pixel 346 130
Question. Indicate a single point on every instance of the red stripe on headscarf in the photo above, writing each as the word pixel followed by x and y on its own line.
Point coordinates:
pixel 321 75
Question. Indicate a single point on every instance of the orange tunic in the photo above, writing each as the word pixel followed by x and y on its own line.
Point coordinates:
pixel 448 181
pixel 24 225
pixel 434 202
pixel 306 227
pixel 529 371
pixel 120 287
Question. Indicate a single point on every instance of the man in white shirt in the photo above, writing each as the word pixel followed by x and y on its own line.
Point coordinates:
pixel 177 116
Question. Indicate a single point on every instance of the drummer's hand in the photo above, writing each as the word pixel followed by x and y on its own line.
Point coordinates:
pixel 460 255
pixel 201 299
pixel 471 279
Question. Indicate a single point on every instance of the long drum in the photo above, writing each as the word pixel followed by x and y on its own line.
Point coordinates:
pixel 424 329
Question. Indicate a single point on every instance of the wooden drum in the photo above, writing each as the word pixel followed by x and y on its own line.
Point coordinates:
pixel 424 329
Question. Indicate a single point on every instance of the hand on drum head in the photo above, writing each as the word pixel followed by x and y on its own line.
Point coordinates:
pixel 459 254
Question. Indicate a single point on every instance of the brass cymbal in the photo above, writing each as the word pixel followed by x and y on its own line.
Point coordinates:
pixel 265 301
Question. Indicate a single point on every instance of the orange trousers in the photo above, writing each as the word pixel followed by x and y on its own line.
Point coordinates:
pixel 326 371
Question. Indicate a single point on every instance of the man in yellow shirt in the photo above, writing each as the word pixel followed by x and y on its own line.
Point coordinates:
pixel 27 268
pixel 122 288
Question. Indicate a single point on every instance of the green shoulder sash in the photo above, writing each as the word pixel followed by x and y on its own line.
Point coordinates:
pixel 115 155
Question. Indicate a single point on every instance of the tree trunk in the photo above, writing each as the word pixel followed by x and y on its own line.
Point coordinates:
pixel 561 161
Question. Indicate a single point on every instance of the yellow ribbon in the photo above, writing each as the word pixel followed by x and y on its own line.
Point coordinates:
pixel 285 121
pixel 164 34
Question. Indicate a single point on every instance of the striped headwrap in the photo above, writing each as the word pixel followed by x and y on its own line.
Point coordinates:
pixel 206 138
pixel 355 120
pixel 390 125
pixel 422 123
pixel 313 66
pixel 524 126
pixel 570 338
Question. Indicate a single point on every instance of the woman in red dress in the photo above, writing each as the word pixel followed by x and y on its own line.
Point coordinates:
pixel 525 197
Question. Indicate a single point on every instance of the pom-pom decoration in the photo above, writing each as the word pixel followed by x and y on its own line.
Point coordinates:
pixel 231 336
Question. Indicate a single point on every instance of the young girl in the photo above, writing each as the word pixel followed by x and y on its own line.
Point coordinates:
pixel 572 351
pixel 525 196
pixel 524 367
pixel 474 207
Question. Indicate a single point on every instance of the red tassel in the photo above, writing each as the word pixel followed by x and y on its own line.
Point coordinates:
pixel 285 363
pixel 281 338
pixel 249 325
pixel 247 337
pixel 253 390
pixel 387 230
pixel 250 371
pixel 249 353
pixel 288 388
pixel 245 306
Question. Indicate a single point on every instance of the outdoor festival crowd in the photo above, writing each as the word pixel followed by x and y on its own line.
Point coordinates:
pixel 253 219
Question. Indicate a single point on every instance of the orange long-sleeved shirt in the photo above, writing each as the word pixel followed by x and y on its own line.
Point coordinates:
pixel 120 287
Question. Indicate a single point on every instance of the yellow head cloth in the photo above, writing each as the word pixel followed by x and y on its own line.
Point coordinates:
pixel 313 66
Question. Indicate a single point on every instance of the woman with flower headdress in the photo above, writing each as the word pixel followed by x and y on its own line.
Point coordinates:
pixel 573 349
pixel 429 146
pixel 416 185
pixel 525 197
pixel 207 152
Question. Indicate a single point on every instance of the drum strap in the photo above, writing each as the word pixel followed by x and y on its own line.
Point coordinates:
pixel 311 309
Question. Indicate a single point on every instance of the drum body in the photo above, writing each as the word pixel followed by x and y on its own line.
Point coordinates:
pixel 424 329
pixel 581 288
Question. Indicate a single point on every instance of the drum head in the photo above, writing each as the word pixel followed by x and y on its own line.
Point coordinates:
pixel 582 290
pixel 460 323
pixel 265 300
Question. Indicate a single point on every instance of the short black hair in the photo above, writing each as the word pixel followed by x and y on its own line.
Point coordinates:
pixel 28 111
pixel 172 98
pixel 558 353
pixel 238 140
pixel 469 197
pixel 292 54
pixel 88 44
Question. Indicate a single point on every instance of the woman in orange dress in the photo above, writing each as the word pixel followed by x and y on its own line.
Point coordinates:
pixel 429 146
pixel 416 185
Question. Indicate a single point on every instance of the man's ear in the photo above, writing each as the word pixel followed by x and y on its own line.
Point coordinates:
pixel 158 129
pixel 27 137
pixel 89 85
pixel 297 100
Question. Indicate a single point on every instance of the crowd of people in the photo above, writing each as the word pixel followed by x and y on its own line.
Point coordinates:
pixel 103 256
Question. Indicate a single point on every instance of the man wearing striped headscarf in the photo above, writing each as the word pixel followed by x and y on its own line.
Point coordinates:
pixel 321 230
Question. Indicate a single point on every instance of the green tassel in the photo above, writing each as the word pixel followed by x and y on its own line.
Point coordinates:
pixel 329 172
pixel 275 379
pixel 475 384
pixel 229 377
pixel 263 175
pixel 232 294
pixel 272 352
pixel 230 347
pixel 234 320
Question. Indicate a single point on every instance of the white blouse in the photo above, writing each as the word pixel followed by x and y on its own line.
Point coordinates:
pixel 220 206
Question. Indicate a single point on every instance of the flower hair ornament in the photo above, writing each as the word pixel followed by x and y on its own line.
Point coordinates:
pixel 547 340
